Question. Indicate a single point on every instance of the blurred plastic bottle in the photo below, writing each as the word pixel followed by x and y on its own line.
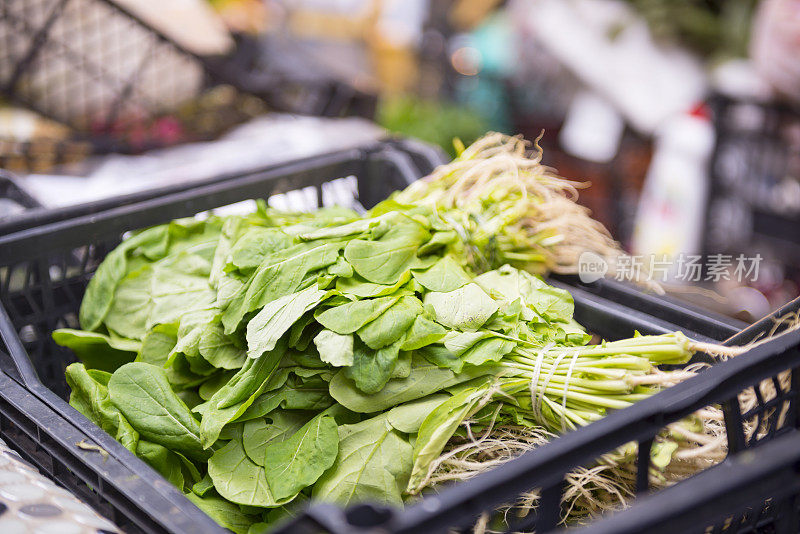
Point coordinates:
pixel 671 213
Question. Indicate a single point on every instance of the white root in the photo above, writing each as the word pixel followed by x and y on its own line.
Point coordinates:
pixel 545 205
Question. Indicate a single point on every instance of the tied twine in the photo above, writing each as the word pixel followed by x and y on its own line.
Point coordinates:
pixel 538 391
pixel 537 369
pixel 565 389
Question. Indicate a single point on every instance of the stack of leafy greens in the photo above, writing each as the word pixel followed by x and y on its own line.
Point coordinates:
pixel 261 360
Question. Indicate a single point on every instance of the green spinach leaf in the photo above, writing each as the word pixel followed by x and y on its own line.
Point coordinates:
pixel 280 274
pixel 437 429
pixel 466 308
pixel 299 461
pixel 277 427
pixel 383 261
pixel 347 318
pixel 143 395
pixel 98 351
pixel 423 332
pixel 235 397
pixel 444 276
pixel 372 369
pixel 89 395
pixel 266 328
pixel 239 479
pixel 425 378
pixel 408 417
pixel 373 465
pixel 335 349
pixel 226 514
pixel 392 324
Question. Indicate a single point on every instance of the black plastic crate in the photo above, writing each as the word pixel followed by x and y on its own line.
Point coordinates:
pixel 44 430
pixel 769 474
pixel 411 159
pixel 14 200
pixel 46 263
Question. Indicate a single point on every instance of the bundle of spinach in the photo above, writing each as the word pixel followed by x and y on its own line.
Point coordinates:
pixel 265 359
pixel 508 208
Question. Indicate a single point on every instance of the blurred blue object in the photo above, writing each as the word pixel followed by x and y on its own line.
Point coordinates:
pixel 486 59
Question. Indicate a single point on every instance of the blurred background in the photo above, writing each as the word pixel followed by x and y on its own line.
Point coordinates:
pixel 683 115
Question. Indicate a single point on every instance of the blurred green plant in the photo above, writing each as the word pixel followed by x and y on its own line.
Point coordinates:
pixel 715 29
pixel 432 121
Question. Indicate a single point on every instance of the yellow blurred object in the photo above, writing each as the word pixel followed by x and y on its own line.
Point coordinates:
pixel 467 14
pixel 396 67
pixel 316 24
pixel 243 16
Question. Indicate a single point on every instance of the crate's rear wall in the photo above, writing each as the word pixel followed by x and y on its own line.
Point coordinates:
pixel 43 295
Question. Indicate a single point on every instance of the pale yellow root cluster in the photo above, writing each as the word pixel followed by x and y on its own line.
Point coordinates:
pixel 503 185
